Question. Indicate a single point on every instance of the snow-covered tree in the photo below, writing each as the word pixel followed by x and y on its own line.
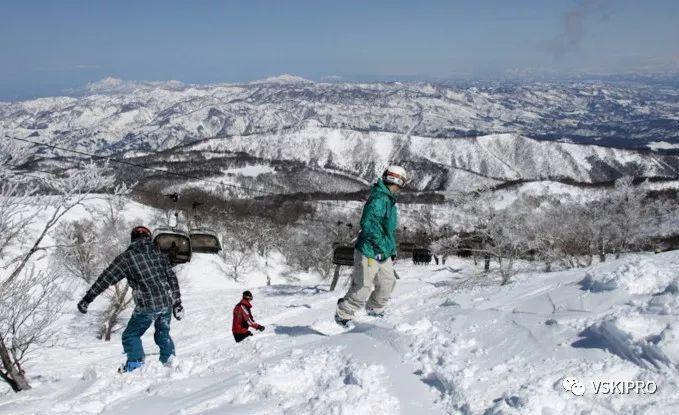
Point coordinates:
pixel 29 305
pixel 86 247
pixel 238 246
pixel 30 299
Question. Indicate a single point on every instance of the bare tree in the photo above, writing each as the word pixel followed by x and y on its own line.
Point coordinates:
pixel 506 235
pixel 119 299
pixel 477 214
pixel 29 305
pixel 113 239
pixel 622 219
pixel 238 246
pixel 70 191
pixel 76 249
pixel 15 195
pixel 31 299
pixel 447 245
pixel 510 238
pixel 266 238
pixel 310 247
pixel 86 247
pixel 14 217
pixel 630 213
pixel 237 257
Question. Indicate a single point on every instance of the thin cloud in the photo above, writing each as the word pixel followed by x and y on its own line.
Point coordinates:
pixel 75 67
pixel 576 22
pixel 84 67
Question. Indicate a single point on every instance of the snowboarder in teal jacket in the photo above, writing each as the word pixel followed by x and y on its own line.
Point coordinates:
pixel 377 239
pixel 373 278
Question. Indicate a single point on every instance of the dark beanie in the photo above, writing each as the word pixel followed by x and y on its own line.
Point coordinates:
pixel 247 294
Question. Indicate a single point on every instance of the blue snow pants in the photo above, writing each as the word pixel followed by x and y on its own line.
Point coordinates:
pixel 137 326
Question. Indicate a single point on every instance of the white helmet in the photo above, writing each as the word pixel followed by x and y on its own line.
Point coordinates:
pixel 395 175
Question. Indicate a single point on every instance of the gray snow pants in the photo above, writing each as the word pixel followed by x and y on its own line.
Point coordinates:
pixel 371 282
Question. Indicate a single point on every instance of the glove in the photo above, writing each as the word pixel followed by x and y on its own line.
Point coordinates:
pixel 260 328
pixel 380 258
pixel 82 306
pixel 393 257
pixel 178 311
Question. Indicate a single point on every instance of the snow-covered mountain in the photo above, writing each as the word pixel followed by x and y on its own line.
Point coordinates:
pixel 116 114
pixel 438 164
pixel 302 132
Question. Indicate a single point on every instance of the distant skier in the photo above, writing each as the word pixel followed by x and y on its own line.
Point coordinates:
pixel 373 278
pixel 155 291
pixel 243 320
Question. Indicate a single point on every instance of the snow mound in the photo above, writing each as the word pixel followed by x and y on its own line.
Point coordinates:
pixel 637 276
pixel 438 352
pixel 100 386
pixel 636 339
pixel 665 302
pixel 323 381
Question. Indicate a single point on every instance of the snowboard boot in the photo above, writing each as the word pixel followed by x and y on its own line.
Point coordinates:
pixel 342 322
pixel 131 365
pixel 171 362
pixel 374 313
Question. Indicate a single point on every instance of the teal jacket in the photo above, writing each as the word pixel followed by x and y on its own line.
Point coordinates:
pixel 378 223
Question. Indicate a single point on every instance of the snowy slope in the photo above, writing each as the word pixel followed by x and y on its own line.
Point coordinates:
pixel 454 341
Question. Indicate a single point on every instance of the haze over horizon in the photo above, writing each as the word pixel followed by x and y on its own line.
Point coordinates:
pixel 52 48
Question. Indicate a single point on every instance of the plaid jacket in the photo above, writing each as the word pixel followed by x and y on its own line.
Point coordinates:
pixel 149 273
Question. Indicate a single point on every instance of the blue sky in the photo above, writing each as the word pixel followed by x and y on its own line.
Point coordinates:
pixel 47 47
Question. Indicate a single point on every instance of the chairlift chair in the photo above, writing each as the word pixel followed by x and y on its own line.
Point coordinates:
pixel 343 255
pixel 421 256
pixel 406 247
pixel 204 241
pixel 174 243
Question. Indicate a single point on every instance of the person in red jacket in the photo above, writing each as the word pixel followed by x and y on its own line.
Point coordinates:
pixel 243 320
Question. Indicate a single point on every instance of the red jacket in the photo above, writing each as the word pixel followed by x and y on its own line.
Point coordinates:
pixel 242 318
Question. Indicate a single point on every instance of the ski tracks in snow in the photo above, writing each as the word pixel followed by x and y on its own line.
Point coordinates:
pixel 451 343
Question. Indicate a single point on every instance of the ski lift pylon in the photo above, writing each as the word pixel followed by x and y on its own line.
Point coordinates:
pixel 204 241
pixel 174 243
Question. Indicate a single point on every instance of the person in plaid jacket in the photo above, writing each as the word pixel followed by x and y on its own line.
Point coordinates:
pixel 155 290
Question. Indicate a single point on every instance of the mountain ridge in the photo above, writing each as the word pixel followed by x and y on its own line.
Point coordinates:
pixel 307 133
pixel 165 114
